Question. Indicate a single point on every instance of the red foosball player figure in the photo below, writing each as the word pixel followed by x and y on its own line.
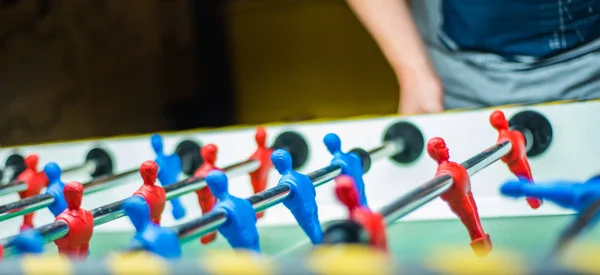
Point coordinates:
pixel 81 224
pixel 260 176
pixel 373 223
pixel 35 180
pixel 459 197
pixel 516 160
pixel 152 193
pixel 206 200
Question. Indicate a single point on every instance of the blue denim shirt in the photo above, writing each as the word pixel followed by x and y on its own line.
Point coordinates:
pixel 522 30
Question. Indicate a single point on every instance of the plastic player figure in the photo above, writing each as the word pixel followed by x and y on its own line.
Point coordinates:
pixel 170 168
pixel 206 200
pixel 349 162
pixel 81 224
pixel 373 223
pixel 150 236
pixel 571 195
pixel 55 188
pixel 302 199
pixel 28 242
pixel 459 197
pixel 153 194
pixel 260 176
pixel 240 229
pixel 516 160
pixel 35 180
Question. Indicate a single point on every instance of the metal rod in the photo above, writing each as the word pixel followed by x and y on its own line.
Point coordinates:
pixel 214 219
pixel 49 232
pixel 100 184
pixel 387 149
pixel 37 202
pixel 430 190
pixel 273 196
pixel 416 198
pixel 89 167
pixel 9 173
pixel 195 183
pixel 487 157
pixel 113 211
pixel 528 135
pixel 575 228
pixel 19 186
pixel 74 168
pixel 193 229
pixel 15 186
pixel 24 206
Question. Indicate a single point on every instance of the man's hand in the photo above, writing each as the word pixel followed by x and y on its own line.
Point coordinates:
pixel 390 23
pixel 420 92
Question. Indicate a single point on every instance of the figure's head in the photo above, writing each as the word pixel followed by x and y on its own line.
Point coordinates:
pixel 52 171
pixel 346 192
pixel 498 120
pixel 138 211
pixel 333 143
pixel 73 194
pixel 282 161
pixel 217 183
pixel 149 172
pixel 29 242
pixel 31 161
pixel 209 153
pixel 157 143
pixel 261 136
pixel 437 150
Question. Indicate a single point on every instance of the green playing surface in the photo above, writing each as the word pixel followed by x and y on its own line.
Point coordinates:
pixel 530 237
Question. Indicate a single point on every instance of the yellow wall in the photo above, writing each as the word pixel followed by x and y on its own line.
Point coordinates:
pixel 306 59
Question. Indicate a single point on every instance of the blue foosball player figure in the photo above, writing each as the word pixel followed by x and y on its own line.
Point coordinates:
pixel 302 198
pixel 567 194
pixel 240 228
pixel 28 242
pixel 148 235
pixel 168 173
pixel 349 162
pixel 55 188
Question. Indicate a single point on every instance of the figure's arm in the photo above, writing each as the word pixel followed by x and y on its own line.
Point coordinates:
pixel 562 193
pixel 56 194
pixel 217 209
pixel 313 192
pixel 338 162
pixel 358 161
pixel 391 24
pixel 290 185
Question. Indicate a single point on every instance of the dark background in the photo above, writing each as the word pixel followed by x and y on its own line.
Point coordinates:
pixel 94 68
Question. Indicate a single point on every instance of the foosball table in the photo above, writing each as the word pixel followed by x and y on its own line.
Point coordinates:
pixel 513 190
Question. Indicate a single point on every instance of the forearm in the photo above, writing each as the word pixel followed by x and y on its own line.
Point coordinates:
pixel 391 24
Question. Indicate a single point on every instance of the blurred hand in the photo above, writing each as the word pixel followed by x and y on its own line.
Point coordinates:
pixel 420 92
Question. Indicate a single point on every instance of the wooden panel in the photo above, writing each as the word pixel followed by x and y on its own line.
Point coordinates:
pixel 91 68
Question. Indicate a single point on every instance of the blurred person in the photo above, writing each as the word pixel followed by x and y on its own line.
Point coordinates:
pixel 479 53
